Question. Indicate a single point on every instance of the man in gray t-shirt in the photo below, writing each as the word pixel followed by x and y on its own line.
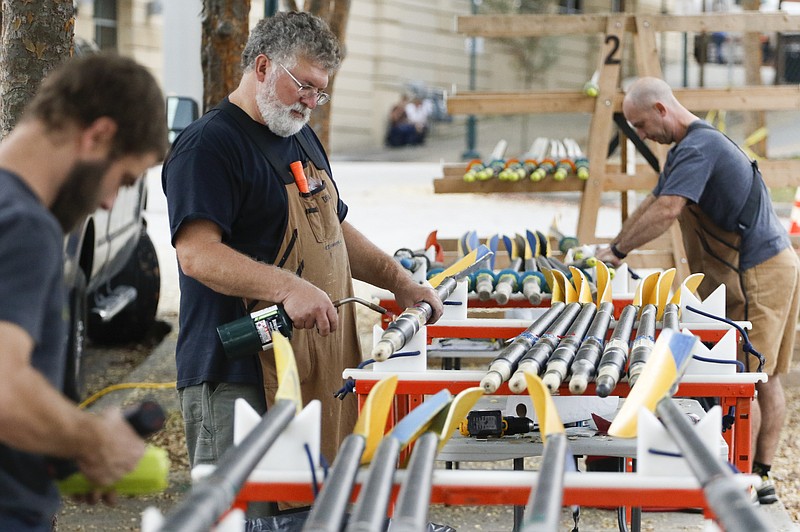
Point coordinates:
pixel 731 234
pixel 96 123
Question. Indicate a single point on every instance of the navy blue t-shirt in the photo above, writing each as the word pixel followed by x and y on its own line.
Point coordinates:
pixel 216 172
pixel 708 169
pixel 32 297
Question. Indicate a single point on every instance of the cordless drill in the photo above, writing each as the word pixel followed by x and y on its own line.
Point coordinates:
pixel 492 423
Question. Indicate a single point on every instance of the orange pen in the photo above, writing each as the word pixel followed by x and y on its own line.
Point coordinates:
pixel 299 176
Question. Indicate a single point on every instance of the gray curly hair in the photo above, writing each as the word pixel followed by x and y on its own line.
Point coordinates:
pixel 286 36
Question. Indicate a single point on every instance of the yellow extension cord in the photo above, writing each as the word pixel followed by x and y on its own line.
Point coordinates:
pixel 124 386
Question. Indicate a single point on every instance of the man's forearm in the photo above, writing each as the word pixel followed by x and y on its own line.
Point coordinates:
pixel 226 271
pixel 651 220
pixel 371 264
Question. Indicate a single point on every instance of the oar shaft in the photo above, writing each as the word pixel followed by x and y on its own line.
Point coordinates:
pixel 544 505
pixel 723 494
pixel 213 496
pixel 536 358
pixel 504 364
pixel 615 353
pixel 560 361
pixel 327 513
pixel 643 343
pixel 671 320
pixel 584 367
pixel 369 513
pixel 411 509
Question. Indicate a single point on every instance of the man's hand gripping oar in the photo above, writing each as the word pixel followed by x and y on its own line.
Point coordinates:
pixel 401 330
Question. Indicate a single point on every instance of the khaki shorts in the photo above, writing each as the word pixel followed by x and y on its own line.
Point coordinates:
pixel 773 304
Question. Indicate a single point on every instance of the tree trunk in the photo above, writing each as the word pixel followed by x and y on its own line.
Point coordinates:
pixel 225 31
pixel 36 37
pixel 335 13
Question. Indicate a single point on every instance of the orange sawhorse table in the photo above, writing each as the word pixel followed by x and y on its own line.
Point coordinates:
pixel 733 390
pixel 492 487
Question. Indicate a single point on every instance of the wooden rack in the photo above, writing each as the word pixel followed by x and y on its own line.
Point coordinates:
pixel 605 175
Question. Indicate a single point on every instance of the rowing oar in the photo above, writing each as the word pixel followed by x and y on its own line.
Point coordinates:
pixel 505 363
pixel 213 495
pixel 657 382
pixel 369 512
pixel 401 330
pixel 615 354
pixel 584 367
pixel 543 511
pixel 329 508
pixel 411 509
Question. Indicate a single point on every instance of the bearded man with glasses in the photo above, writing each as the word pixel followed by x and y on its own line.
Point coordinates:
pixel 250 233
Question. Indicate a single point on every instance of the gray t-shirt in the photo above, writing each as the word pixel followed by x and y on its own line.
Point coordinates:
pixel 708 169
pixel 31 296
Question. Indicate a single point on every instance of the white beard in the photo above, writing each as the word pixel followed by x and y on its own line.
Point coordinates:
pixel 277 116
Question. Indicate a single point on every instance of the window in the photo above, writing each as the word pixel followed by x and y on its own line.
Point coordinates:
pixel 105 24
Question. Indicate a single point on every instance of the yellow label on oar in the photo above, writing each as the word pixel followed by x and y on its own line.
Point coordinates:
pixel 657 377
pixel 371 422
pixel 603 283
pixel 690 283
pixel 546 413
pixel 665 279
pixel 459 408
pixel 458 266
pixel 286 370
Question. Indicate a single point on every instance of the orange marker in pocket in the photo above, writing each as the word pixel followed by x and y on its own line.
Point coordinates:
pixel 299 176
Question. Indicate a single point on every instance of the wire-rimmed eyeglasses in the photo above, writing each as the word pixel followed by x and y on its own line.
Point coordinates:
pixel 307 91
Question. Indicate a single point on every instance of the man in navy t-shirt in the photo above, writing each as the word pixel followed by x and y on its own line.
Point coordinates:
pixel 257 220
pixel 96 124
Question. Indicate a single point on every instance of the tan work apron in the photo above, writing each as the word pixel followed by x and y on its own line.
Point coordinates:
pixel 766 294
pixel 313 247
pixel 714 252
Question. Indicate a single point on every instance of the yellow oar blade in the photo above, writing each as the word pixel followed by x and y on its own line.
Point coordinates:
pixel 582 285
pixel 559 279
pixel 459 408
pixel 690 283
pixel 663 287
pixel 460 265
pixel 372 419
pixel 546 413
pixel 670 354
pixel 644 290
pixel 603 283
pixel 286 369
pixel 557 292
